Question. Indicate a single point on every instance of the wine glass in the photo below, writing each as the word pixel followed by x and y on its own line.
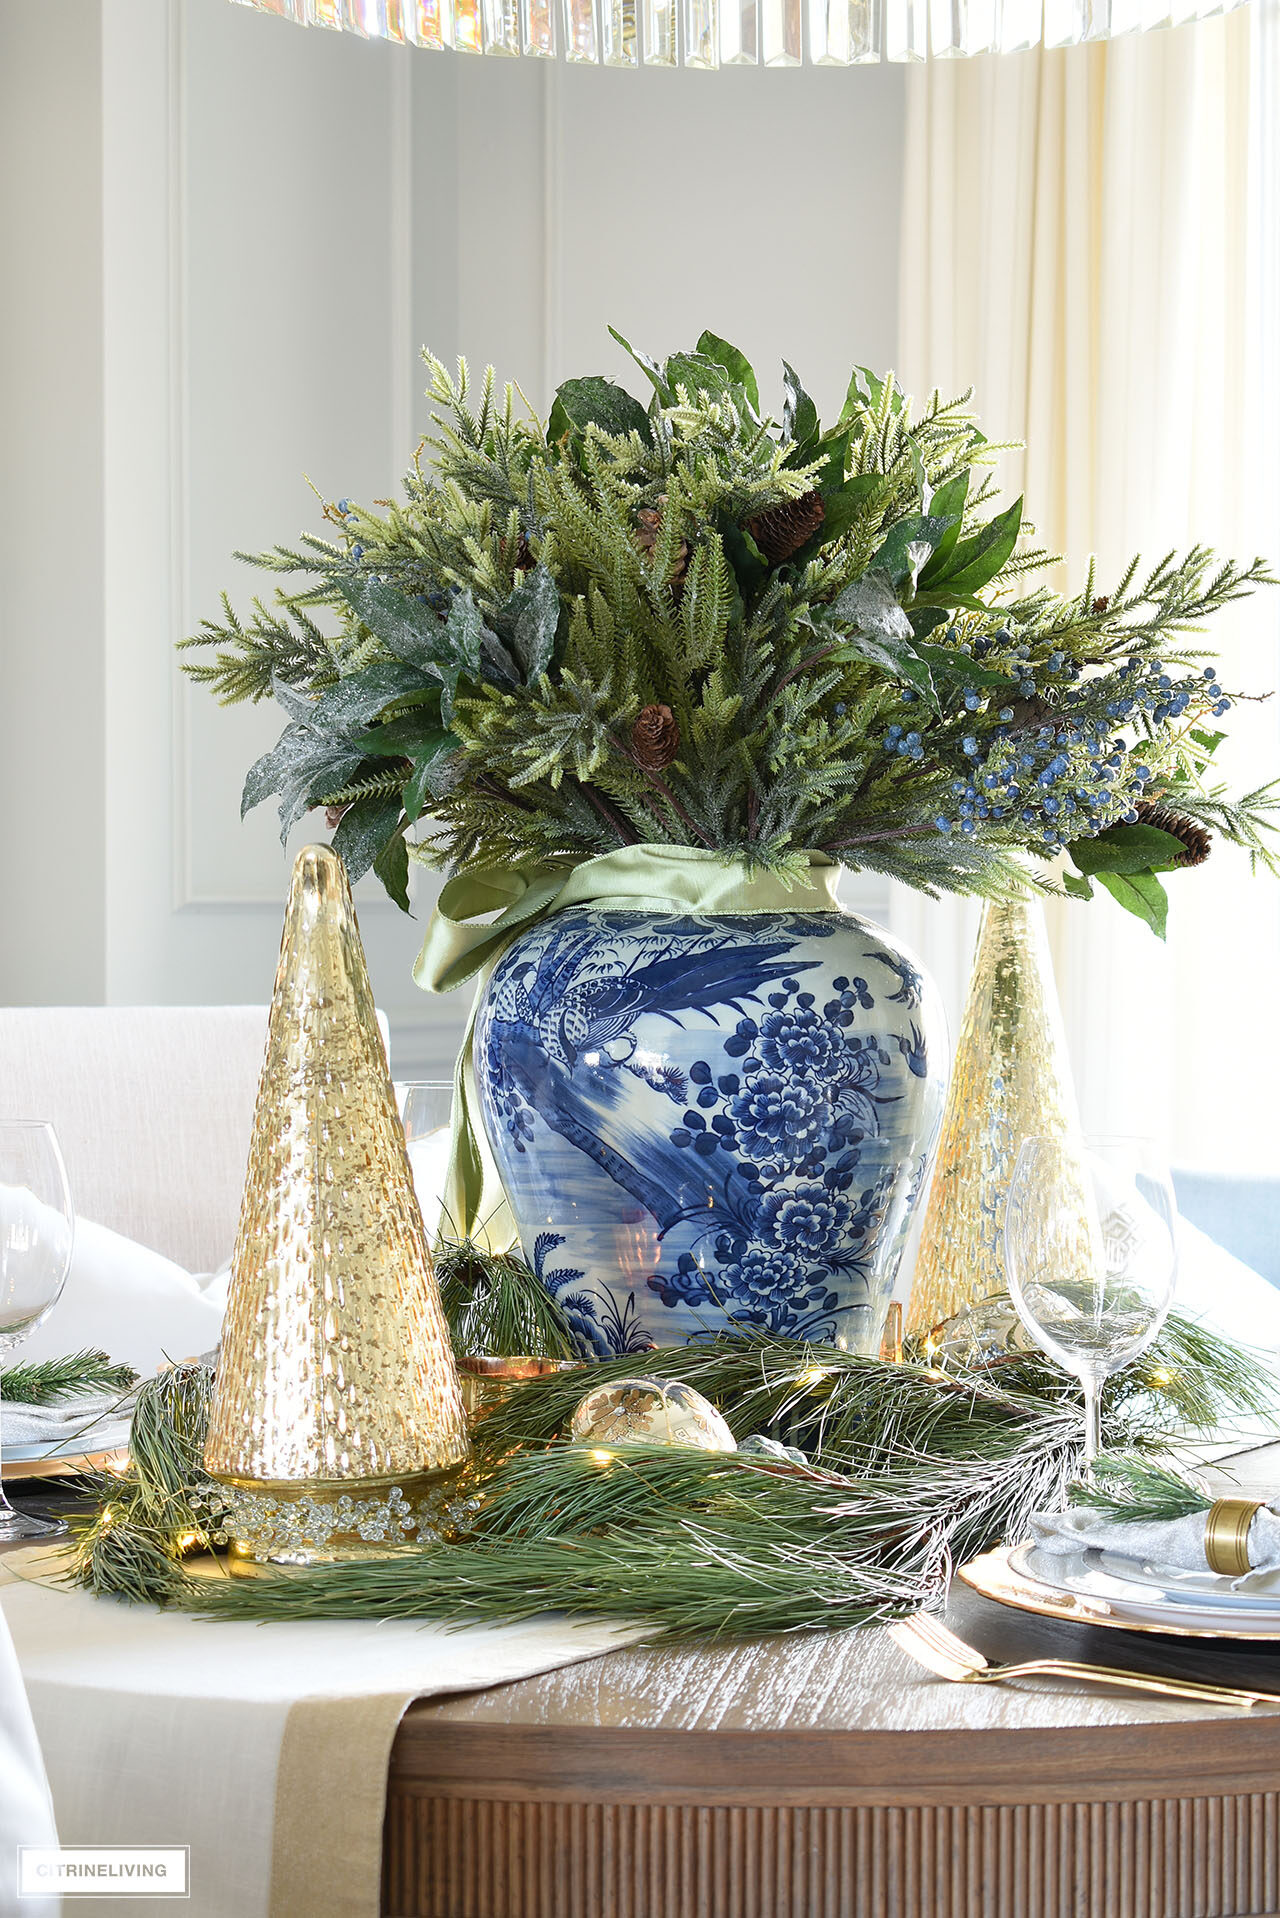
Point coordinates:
pixel 426 1109
pixel 37 1231
pixel 1090 1252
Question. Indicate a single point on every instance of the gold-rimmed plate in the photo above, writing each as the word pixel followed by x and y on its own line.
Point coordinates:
pixel 38 1462
pixel 994 1577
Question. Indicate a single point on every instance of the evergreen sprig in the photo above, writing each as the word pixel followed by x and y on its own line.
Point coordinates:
pixel 1135 1490
pixel 495 1305
pixel 878 684
pixel 45 1381
pixel 130 1540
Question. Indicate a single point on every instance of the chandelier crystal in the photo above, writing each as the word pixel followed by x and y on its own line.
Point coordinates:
pixel 730 33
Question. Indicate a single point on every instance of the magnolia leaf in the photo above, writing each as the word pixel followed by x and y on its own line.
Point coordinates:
pixel 735 363
pixel 1128 849
pixel 697 373
pixel 408 735
pixel 299 706
pixel 924 619
pixel 345 709
pixel 749 565
pixel 363 831
pixel 302 767
pixel 596 401
pixel 648 367
pixel 871 605
pixel 528 622
pixel 834 451
pixel 409 628
pixel 896 658
pixel 949 502
pixel 423 783
pixel 1077 885
pixel 1207 740
pixel 1141 894
pixel 466 638
pixel 976 561
pixel 799 414
pixel 908 546
pixel 921 472
pixel 392 868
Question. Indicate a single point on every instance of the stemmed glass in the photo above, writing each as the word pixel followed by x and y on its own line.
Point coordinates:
pixel 37 1231
pixel 426 1109
pixel 1091 1256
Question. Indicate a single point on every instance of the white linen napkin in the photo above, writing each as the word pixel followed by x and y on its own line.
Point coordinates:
pixel 128 1301
pixel 1176 1543
pixel 93 1422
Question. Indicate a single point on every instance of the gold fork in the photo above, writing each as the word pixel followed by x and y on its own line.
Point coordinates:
pixel 929 1642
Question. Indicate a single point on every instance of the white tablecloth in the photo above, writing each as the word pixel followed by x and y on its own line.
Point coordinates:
pixel 263 1747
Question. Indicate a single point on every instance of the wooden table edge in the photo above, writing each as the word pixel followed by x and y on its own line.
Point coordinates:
pixel 612 1764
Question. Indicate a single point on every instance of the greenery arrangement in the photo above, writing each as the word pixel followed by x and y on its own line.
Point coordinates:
pixel 45 1381
pixel 909 1468
pixel 690 623
pixel 496 1306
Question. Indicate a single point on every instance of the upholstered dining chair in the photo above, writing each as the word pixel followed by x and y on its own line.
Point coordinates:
pixel 153 1107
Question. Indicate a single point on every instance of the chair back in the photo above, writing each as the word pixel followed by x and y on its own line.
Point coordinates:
pixel 153 1106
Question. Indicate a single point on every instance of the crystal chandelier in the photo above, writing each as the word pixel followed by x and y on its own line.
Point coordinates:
pixel 730 33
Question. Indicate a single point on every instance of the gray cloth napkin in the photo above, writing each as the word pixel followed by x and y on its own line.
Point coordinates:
pixel 93 1421
pixel 1175 1543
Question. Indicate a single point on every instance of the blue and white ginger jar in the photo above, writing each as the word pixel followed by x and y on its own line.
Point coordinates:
pixel 706 1121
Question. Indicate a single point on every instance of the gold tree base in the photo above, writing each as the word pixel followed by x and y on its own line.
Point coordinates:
pixel 325 1524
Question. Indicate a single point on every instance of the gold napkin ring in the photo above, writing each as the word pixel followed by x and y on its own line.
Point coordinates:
pixel 1226 1535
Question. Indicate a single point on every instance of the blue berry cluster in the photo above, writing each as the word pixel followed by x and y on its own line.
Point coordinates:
pixel 1074 773
pixel 1057 783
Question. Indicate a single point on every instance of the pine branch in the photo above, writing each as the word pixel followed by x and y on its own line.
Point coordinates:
pixel 44 1381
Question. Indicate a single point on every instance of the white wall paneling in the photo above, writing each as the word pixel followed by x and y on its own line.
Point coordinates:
pixel 261 225
pixel 51 658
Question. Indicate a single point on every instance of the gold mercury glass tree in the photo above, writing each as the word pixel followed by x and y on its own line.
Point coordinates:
pixel 1010 1080
pixel 337 1399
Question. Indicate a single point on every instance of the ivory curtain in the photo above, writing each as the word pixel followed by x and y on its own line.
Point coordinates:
pixel 1091 240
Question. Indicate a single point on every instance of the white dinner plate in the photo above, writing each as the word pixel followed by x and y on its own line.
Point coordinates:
pixel 993 1575
pixel 1182 1588
pixel 1079 1575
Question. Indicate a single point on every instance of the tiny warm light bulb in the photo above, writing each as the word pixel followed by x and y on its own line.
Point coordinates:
pixel 814 1374
pixel 1161 1376
pixel 601 1458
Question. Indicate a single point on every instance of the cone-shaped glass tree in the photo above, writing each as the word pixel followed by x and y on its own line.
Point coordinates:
pixel 336 1393
pixel 1011 1080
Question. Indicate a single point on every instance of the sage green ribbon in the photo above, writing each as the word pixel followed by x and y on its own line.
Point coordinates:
pixel 462 943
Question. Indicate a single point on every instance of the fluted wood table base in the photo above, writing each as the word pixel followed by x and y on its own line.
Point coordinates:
pixel 1179 1858
pixel 829 1777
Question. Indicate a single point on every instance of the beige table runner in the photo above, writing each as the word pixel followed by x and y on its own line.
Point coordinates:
pixel 263 1747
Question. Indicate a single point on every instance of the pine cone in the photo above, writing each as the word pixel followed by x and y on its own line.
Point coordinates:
pixel 1196 841
pixel 524 561
pixel 784 529
pixel 655 739
pixel 648 527
pixel 333 816
pixel 1101 604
